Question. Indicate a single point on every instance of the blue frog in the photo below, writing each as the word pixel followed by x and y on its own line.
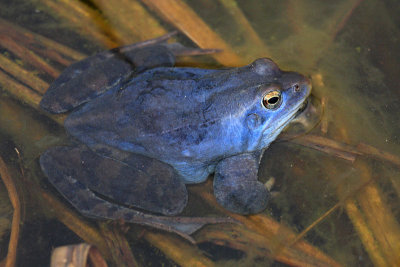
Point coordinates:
pixel 144 129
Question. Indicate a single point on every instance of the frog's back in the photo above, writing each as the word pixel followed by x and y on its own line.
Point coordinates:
pixel 160 107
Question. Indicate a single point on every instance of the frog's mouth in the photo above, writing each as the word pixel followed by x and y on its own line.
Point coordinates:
pixel 303 107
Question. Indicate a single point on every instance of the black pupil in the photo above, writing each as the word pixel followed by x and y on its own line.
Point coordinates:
pixel 273 100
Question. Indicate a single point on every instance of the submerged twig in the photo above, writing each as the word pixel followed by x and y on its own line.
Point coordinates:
pixel 364 232
pixel 19 91
pixel 379 217
pixel 180 252
pixel 324 119
pixel 40 44
pixel 245 29
pixel 119 14
pixel 179 14
pixel 14 198
pixel 378 153
pixel 345 18
pixel 115 239
pixel 30 57
pixel 23 75
pixel 313 224
pixel 84 19
pixel 328 146
pixel 343 150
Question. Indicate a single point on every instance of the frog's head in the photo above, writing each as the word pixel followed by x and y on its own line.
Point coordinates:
pixel 277 99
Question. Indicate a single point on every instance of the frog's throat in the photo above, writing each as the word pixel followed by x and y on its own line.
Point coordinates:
pixel 271 136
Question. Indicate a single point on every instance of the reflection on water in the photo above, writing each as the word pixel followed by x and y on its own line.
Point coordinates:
pixel 343 182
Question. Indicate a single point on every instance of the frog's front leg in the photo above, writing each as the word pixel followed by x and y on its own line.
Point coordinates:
pixel 236 186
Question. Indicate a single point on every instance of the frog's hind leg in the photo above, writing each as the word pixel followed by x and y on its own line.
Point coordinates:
pixel 90 182
pixel 66 166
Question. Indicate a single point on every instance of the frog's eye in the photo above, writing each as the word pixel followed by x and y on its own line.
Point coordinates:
pixel 296 87
pixel 272 99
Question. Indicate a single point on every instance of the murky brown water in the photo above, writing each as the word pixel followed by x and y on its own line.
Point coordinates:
pixel 351 51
